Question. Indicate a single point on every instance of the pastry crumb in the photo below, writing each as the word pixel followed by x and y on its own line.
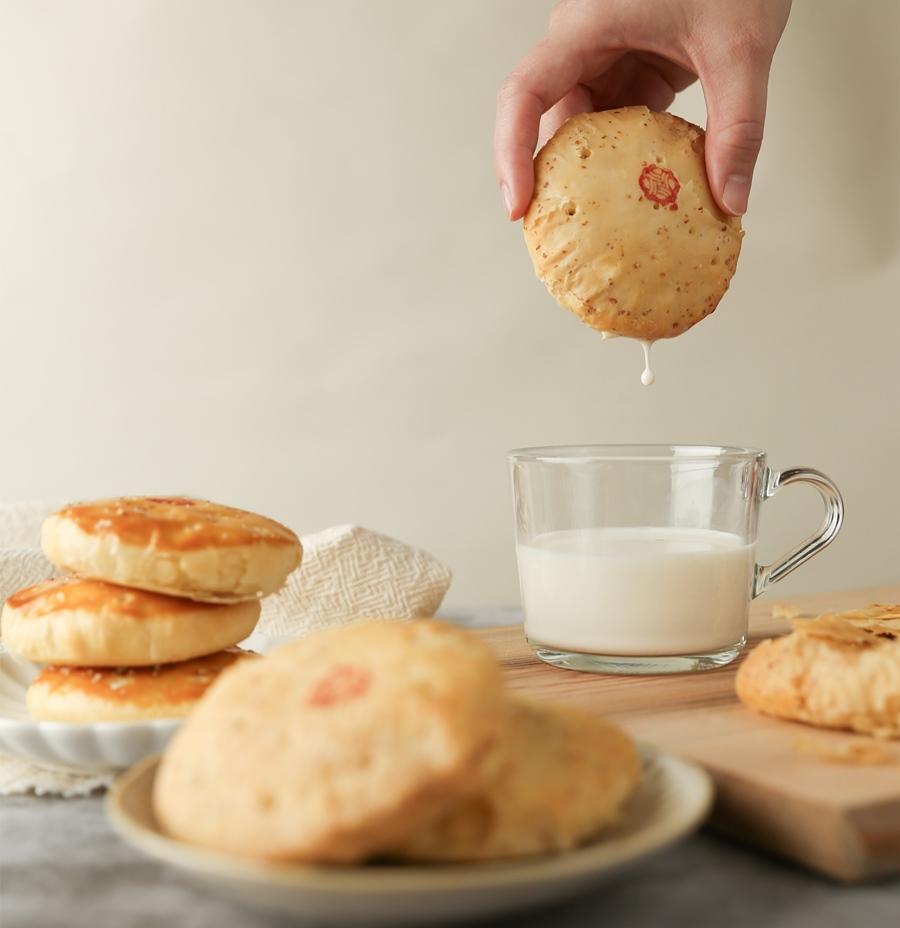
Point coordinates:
pixel 861 753
pixel 785 611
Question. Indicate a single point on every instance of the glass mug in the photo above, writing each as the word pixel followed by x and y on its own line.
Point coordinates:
pixel 641 558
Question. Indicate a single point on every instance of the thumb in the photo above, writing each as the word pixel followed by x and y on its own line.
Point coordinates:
pixel 735 93
pixel 577 100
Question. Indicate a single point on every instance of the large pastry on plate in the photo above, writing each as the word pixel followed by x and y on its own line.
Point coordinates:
pixel 336 745
pixel 563 776
pixel 175 545
pixel 834 671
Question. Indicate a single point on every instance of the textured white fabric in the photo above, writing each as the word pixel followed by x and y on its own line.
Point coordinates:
pixel 19 776
pixel 351 573
pixel 21 561
pixel 347 573
pixel 21 567
pixel 20 522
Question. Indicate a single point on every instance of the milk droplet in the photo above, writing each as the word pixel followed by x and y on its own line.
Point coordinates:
pixel 647 377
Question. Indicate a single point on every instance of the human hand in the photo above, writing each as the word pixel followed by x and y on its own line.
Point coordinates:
pixel 601 54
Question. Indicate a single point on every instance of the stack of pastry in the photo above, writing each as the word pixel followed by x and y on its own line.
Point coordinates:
pixel 388 739
pixel 157 593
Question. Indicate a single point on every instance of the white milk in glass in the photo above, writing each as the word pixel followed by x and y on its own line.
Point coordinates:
pixel 636 591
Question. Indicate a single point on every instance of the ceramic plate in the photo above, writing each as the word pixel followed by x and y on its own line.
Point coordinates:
pixel 89 747
pixel 672 801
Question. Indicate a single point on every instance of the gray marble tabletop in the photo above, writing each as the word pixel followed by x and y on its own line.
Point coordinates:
pixel 61 865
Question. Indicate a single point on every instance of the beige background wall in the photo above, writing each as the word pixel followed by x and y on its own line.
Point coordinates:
pixel 255 251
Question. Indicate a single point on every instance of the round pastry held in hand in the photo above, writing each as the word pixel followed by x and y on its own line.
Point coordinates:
pixel 335 745
pixel 126 694
pixel 175 545
pixel 564 776
pixel 623 228
pixel 81 622
pixel 834 671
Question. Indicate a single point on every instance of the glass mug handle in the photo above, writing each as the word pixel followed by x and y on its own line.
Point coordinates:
pixel 767 574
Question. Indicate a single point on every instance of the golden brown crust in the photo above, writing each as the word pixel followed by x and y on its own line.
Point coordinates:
pixel 125 694
pixel 334 744
pixel 564 776
pixel 81 622
pixel 62 594
pixel 183 547
pixel 834 671
pixel 623 228
pixel 176 523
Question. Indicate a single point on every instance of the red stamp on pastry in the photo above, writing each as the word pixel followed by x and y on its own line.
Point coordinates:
pixel 342 683
pixel 659 185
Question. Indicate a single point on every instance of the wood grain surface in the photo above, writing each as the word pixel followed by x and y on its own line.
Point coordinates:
pixel 777 786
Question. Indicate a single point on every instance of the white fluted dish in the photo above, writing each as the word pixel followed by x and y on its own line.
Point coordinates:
pixel 88 747
pixel 91 747
pixel 673 799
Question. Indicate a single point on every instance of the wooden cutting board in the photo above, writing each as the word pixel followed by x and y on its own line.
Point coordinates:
pixel 838 818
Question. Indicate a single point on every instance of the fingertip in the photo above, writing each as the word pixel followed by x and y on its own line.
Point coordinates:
pixel 515 174
pixel 516 187
pixel 507 199
pixel 730 177
pixel 736 194
pixel 522 202
pixel 515 207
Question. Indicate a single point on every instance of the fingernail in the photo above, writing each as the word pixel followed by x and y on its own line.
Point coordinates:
pixel 507 199
pixel 736 194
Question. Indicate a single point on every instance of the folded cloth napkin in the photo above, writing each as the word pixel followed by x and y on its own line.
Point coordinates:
pixel 347 573
pixel 18 777
pixel 351 573
pixel 21 561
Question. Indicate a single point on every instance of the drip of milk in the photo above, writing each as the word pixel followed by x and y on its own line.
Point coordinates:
pixel 636 591
pixel 647 376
